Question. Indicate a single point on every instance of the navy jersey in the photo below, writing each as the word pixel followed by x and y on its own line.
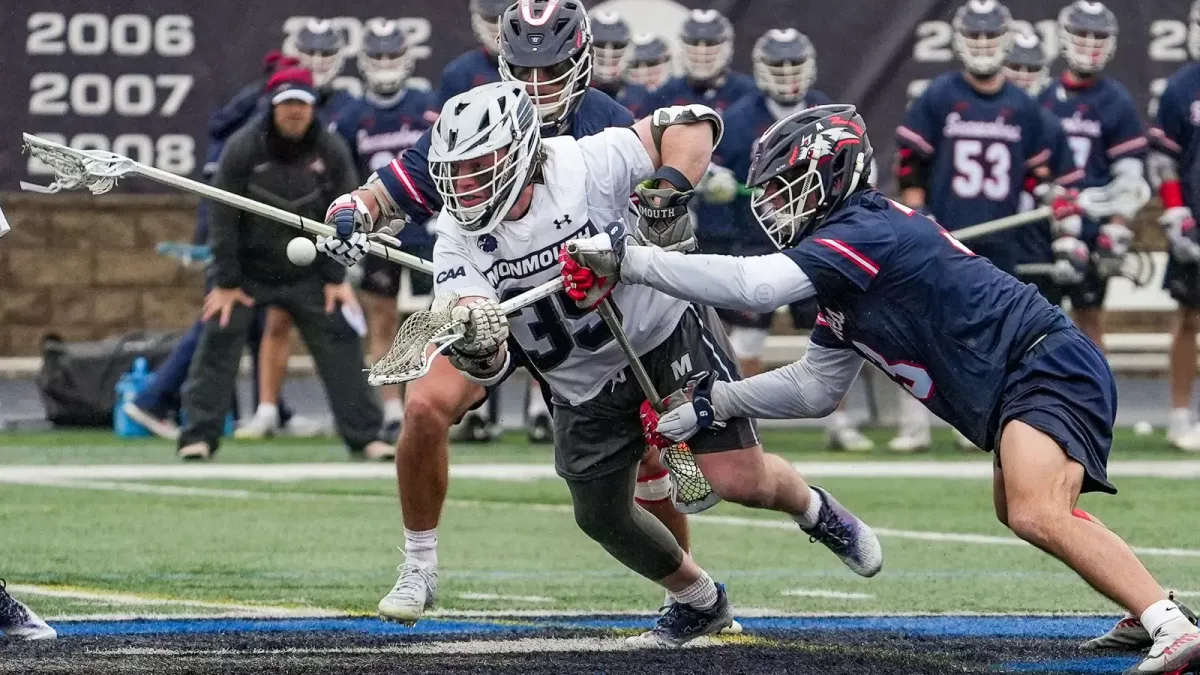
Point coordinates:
pixel 636 99
pixel 1032 242
pixel 745 122
pixel 1174 130
pixel 465 72
pixel 981 146
pixel 943 323
pixel 1101 123
pixel 407 178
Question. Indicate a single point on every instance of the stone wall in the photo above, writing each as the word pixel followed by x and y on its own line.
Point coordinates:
pixel 84 267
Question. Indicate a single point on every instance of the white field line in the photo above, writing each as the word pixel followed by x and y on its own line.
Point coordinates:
pixel 818 593
pixel 150 601
pixel 1177 469
pixel 735 521
pixel 504 598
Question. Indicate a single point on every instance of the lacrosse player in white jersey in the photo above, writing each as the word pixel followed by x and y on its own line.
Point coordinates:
pixel 511 200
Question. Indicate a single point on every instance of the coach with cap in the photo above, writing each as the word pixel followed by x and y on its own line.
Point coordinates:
pixel 286 160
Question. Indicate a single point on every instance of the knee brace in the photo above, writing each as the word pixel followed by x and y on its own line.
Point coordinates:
pixel 653 488
pixel 748 343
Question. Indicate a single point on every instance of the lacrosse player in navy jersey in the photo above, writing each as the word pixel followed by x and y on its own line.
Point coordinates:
pixel 978 347
pixel 1106 138
pixel 320 49
pixel 1175 168
pixel 965 148
pixel 610 45
pixel 648 69
pixel 433 403
pixel 386 121
pixel 477 66
pixel 785 67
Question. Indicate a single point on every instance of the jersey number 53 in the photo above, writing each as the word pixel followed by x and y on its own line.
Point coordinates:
pixel 980 170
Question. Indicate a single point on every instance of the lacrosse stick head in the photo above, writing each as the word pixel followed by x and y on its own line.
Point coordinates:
pixel 1124 196
pixel 95 170
pixel 423 336
pixel 690 490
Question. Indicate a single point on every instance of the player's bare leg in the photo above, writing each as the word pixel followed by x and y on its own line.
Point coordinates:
pixel 1041 485
pixel 1091 322
pixel 760 480
pixel 1182 433
pixel 273 352
pixel 383 320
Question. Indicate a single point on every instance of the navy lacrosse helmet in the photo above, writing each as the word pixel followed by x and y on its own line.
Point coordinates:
pixel 785 65
pixel 982 36
pixel 650 61
pixel 547 46
pixel 1027 65
pixel 384 61
pixel 804 167
pixel 485 21
pixel 1087 32
pixel 610 44
pixel 319 48
pixel 707 38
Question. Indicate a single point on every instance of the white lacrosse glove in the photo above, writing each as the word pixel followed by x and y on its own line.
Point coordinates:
pixel 347 215
pixel 1112 245
pixel 1180 227
pixel 1071 259
pixel 345 251
pixel 689 410
pixel 485 330
pixel 718 185
pixel 1064 219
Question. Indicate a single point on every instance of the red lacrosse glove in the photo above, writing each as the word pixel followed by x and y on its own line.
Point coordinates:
pixel 650 428
pixel 582 284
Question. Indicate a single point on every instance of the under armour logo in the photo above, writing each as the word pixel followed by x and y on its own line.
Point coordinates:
pixel 566 220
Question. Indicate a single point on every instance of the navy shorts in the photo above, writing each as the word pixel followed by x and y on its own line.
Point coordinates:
pixel 1183 283
pixel 1063 387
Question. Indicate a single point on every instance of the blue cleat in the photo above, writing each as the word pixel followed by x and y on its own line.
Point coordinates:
pixel 848 537
pixel 682 623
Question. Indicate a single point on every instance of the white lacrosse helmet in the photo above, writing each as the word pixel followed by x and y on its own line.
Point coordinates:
pixel 982 36
pixel 1087 32
pixel 385 60
pixel 496 125
pixel 320 49
pixel 785 65
pixel 707 45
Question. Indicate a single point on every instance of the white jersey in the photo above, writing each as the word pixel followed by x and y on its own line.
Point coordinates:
pixel 585 185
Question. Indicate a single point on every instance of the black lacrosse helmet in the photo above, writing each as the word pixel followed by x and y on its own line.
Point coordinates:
pixel 804 168
pixel 1087 32
pixel 546 45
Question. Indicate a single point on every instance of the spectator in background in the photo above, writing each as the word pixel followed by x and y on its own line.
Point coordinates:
pixel 287 159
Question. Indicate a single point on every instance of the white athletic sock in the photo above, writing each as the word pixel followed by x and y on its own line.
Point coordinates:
pixel 537 404
pixel 268 411
pixel 1165 614
pixel 1181 421
pixel 837 421
pixel 421 547
pixel 393 410
pixel 702 594
pixel 809 517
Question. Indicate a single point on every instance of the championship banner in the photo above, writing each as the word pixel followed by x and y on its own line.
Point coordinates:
pixel 141 77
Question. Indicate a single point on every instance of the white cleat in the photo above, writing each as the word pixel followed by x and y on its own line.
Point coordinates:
pixel 415 591
pixel 1129 635
pixel 378 451
pixel 911 440
pixel 159 427
pixel 849 439
pixel 19 622
pixel 299 426
pixel 1174 651
pixel 195 452
pixel 257 428
pixel 1188 441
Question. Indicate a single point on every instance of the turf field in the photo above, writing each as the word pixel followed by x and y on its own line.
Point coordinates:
pixel 292 529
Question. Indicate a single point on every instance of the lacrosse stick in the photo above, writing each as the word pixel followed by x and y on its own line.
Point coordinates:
pixel 1137 267
pixel 99 171
pixel 411 357
pixel 1124 197
pixel 690 490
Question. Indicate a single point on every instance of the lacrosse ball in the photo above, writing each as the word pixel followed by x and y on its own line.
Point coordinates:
pixel 302 251
pixel 1142 428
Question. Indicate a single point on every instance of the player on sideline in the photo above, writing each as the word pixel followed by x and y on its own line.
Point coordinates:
pixel 320 49
pixel 981 349
pixel 434 402
pixel 386 121
pixel 648 69
pixel 1106 138
pixel 477 66
pixel 610 44
pixel 785 67
pixel 964 151
pixel 504 190
pixel 1174 167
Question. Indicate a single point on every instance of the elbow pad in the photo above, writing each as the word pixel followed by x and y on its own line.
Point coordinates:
pixel 693 113
pixel 387 206
pixel 912 170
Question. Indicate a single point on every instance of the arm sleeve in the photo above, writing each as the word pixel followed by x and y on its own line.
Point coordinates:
pixel 342 180
pixel 919 130
pixel 225 221
pixel 407 180
pixel 810 387
pixel 757 284
pixel 616 160
pixel 1127 138
pixel 454 272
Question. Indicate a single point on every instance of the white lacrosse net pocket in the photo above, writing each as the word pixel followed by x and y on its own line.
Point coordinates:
pixel 73 169
pixel 422 337
pixel 690 490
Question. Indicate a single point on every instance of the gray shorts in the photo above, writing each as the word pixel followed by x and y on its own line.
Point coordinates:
pixel 604 434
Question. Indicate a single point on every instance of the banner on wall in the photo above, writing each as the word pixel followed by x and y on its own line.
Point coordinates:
pixel 141 77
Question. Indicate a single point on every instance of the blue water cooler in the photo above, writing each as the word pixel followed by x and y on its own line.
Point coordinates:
pixel 128 387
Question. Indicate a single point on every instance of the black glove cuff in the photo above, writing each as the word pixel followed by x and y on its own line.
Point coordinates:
pixel 674 177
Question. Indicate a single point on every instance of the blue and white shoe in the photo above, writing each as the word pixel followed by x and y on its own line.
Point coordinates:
pixel 682 623
pixel 848 537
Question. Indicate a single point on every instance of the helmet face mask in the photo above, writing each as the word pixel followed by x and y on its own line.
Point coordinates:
pixel 1027 66
pixel 610 46
pixel 706 45
pixel 319 49
pixel 1087 32
pixel 485 21
pixel 385 61
pixel 982 37
pixel 785 65
pixel 650 61
pixel 546 47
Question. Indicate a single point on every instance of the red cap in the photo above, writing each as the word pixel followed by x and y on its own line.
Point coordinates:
pixel 292 84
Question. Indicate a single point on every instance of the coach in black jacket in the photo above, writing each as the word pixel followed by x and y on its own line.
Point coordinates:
pixel 285 160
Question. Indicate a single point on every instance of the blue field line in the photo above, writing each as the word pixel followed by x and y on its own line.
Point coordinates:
pixel 934 626
pixel 1105 665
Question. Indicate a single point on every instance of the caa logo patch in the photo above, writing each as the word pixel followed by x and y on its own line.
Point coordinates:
pixel 451 274
pixel 488 244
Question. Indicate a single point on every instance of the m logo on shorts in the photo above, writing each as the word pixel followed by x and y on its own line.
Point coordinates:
pixel 683 367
